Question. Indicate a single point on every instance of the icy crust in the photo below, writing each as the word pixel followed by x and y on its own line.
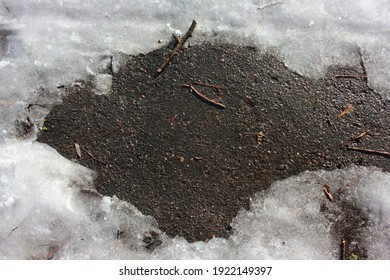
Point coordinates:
pixel 297 221
pixel 50 43
pixel 48 211
pixel 288 220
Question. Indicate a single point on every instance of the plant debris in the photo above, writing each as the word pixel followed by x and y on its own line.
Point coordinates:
pixel 260 136
pixel 359 136
pixel 347 110
pixel 179 45
pixel 326 190
pixel 203 97
pixel 351 76
pixel 142 165
pixel 343 247
pixel 371 151
pixel 94 158
pixel 78 150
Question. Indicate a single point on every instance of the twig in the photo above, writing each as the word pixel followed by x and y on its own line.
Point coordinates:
pixel 91 155
pixel 352 76
pixel 11 231
pixel 383 153
pixel 6 7
pixel 208 85
pixel 205 98
pixel 359 136
pixel 327 192
pixel 119 126
pixel 15 228
pixel 343 247
pixel 179 45
pixel 269 5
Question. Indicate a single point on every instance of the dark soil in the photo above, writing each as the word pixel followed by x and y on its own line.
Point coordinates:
pixel 193 165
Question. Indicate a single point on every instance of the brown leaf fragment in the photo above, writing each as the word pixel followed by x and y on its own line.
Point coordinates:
pixel 78 150
pixel 327 192
pixel 347 110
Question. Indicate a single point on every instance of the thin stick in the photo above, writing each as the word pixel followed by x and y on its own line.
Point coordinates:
pixel 343 249
pixel 269 4
pixel 205 98
pixel 11 231
pixel 326 190
pixel 351 76
pixel 119 126
pixel 208 85
pixel 179 45
pixel 91 155
pixel 359 136
pixel 15 228
pixel 383 153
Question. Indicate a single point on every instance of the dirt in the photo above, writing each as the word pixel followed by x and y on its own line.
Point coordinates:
pixel 193 165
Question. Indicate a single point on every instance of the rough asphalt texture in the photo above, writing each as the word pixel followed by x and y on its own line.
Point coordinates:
pixel 193 165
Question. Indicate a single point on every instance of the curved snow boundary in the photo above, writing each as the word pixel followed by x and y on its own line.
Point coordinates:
pixel 49 211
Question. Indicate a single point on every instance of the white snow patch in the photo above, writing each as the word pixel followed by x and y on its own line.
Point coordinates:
pixel 48 211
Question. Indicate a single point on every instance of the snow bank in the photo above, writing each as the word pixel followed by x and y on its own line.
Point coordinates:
pixel 48 211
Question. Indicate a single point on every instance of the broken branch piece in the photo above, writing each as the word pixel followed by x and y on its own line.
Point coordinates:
pixel 119 126
pixel 208 85
pixel 359 136
pixel 343 249
pixel 179 45
pixel 352 76
pixel 327 192
pixel 205 98
pixel 94 158
pixel 383 153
